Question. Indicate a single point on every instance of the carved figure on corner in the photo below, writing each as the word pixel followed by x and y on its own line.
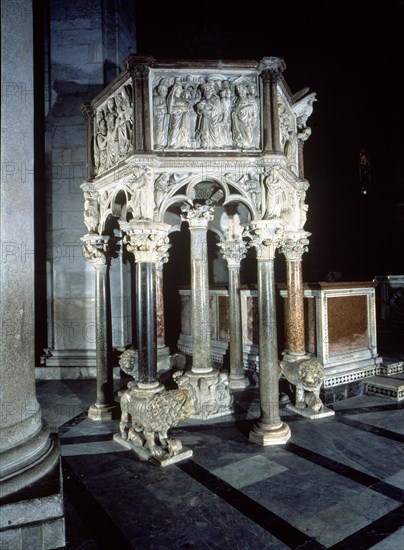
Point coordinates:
pixel 307 376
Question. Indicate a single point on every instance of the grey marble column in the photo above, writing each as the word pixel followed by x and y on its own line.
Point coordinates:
pixel 293 248
pixel 210 392
pixel 96 250
pixel 31 497
pixel 234 251
pixel 269 430
pixel 198 219
pixel 148 242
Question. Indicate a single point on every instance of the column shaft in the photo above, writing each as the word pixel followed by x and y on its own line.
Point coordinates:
pixel 294 309
pixel 200 313
pixel 161 338
pixel 103 338
pixel 268 348
pixel 146 321
pixel 236 330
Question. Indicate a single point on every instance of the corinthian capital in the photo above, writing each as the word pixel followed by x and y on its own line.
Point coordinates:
pixel 265 236
pixel 96 249
pixel 199 215
pixel 295 245
pixel 148 242
pixel 233 252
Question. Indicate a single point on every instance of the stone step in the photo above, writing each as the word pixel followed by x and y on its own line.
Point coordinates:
pixel 384 386
pixel 390 369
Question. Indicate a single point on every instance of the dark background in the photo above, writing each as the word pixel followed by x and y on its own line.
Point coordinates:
pixel 350 54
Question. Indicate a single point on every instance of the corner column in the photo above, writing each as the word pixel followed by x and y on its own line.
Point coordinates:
pixel 269 430
pixel 293 248
pixel 234 251
pixel 96 249
pixel 148 242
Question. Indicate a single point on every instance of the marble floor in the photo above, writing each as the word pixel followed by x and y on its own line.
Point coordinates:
pixel 338 483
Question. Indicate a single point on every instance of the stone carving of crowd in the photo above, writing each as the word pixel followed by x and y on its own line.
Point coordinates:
pixel 206 113
pixel 113 131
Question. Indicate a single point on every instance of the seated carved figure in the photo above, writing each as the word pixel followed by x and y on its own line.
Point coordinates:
pixel 307 376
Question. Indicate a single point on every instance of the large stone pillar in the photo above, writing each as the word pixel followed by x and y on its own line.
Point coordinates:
pixel 293 248
pixel 269 430
pixel 97 250
pixel 234 251
pixel 31 501
pixel 211 395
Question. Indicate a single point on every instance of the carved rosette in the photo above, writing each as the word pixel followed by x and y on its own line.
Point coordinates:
pixel 295 245
pixel 148 242
pixel 233 252
pixel 96 250
pixel 197 216
pixel 265 236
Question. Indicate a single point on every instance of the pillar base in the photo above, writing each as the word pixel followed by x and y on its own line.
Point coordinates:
pixel 103 412
pixel 164 459
pixel 33 516
pixel 211 396
pixel 292 356
pixel 264 434
pixel 238 383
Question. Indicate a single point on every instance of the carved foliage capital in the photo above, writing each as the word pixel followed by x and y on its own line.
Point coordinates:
pixel 294 246
pixel 148 245
pixel 265 237
pixel 96 250
pixel 199 215
pixel 233 252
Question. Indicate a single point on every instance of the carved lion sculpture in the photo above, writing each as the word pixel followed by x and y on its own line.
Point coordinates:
pixel 151 418
pixel 307 376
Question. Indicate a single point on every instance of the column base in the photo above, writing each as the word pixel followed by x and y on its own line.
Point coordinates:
pixel 103 412
pixel 238 383
pixel 264 434
pixel 33 517
pixel 211 396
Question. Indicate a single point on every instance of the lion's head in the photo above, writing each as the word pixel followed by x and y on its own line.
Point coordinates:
pixel 128 362
pixel 311 374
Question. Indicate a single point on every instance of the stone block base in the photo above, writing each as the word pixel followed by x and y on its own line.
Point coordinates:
pixel 34 516
pixel 264 435
pixel 143 454
pixel 95 412
pixel 308 413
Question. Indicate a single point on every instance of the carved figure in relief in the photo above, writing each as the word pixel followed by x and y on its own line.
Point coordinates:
pixel 161 187
pixel 225 127
pixel 160 115
pixel 307 376
pixel 100 151
pixel 91 211
pixel 141 185
pixel 244 119
pixel 179 136
pixel 252 185
pixel 296 214
pixel 124 122
pixel 208 130
pixel 275 196
pixel 112 137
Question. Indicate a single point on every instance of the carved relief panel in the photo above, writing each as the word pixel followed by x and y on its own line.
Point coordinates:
pixel 113 129
pixel 194 111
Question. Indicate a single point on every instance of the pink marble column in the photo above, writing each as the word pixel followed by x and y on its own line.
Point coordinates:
pixel 293 248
